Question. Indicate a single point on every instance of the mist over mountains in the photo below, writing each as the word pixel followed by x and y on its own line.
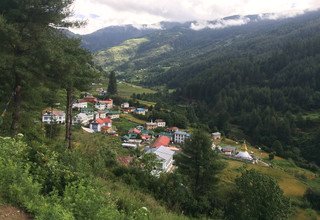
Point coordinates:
pixel 114 35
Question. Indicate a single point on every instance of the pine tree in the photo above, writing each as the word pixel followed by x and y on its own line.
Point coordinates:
pixel 199 166
pixel 24 28
pixel 112 86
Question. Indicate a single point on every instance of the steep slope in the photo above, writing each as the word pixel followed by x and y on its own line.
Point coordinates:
pixel 181 44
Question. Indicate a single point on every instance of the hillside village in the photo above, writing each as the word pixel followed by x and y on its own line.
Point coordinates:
pixel 96 115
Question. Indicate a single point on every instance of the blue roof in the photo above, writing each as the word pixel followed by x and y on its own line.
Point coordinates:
pixel 140 109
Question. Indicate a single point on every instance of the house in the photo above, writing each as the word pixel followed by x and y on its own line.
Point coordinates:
pixel 229 150
pixel 180 136
pixel 165 157
pixel 151 125
pixel 160 123
pixel 51 115
pixel 80 105
pixel 216 136
pixel 125 105
pixel 108 103
pixel 114 114
pixel 102 113
pixel 134 131
pixel 100 106
pixel 140 111
pixel 172 129
pixel 89 98
pixel 99 123
pixel 81 118
pixel 163 141
pixel 87 111
pixel 129 110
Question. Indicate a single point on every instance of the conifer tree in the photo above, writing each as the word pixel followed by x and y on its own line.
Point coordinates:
pixel 199 166
pixel 24 26
pixel 112 86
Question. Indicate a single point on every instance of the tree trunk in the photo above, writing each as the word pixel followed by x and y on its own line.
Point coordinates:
pixel 69 117
pixel 17 100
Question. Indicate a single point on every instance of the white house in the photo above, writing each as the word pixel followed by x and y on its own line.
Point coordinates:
pixel 100 106
pixel 216 136
pixel 180 136
pixel 99 123
pixel 160 123
pixel 80 105
pixel 51 115
pixel 114 114
pixel 82 118
pixel 165 156
pixel 125 105
pixel 108 103
pixel 140 111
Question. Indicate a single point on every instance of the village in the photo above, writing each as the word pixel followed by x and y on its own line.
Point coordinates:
pixel 97 116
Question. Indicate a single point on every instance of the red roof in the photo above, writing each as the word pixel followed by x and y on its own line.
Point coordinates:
pixel 103 120
pixel 106 101
pixel 135 131
pixel 161 141
pixel 89 99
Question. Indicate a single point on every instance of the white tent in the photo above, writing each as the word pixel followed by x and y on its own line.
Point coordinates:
pixel 244 155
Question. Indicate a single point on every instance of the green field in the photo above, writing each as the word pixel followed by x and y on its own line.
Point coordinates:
pixel 123 125
pixel 125 90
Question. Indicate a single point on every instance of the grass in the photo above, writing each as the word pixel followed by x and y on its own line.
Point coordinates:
pixel 292 179
pixel 125 90
pixel 147 103
pixel 123 125
pixel 133 119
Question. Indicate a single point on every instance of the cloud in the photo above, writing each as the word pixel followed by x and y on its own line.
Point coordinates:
pixel 119 12
pixel 219 24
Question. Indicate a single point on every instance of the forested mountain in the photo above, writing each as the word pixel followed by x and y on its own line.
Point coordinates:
pixel 258 81
pixel 112 36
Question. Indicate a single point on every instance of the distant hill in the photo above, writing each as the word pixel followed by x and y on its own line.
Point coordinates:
pixel 115 35
pixel 180 44
pixel 112 36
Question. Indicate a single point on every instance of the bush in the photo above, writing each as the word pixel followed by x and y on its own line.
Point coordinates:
pixel 313 197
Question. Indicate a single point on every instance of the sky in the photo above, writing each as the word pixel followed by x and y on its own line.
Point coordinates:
pixel 102 13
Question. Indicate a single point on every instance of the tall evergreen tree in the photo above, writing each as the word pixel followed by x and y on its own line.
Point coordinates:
pixel 112 86
pixel 199 166
pixel 23 27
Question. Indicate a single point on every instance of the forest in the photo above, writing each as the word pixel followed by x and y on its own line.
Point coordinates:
pixel 267 92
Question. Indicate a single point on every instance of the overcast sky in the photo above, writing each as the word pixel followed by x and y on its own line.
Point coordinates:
pixel 102 13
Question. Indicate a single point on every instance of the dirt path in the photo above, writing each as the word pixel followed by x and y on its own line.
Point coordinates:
pixel 12 213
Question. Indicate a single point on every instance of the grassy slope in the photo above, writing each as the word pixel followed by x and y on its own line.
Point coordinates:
pixel 292 180
pixel 118 55
pixel 125 90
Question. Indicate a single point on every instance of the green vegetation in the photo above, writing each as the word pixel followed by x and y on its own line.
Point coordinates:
pixel 126 90
pixel 257 191
pixel 112 84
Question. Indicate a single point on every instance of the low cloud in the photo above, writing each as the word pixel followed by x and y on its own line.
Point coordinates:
pixel 120 12
pixel 219 24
